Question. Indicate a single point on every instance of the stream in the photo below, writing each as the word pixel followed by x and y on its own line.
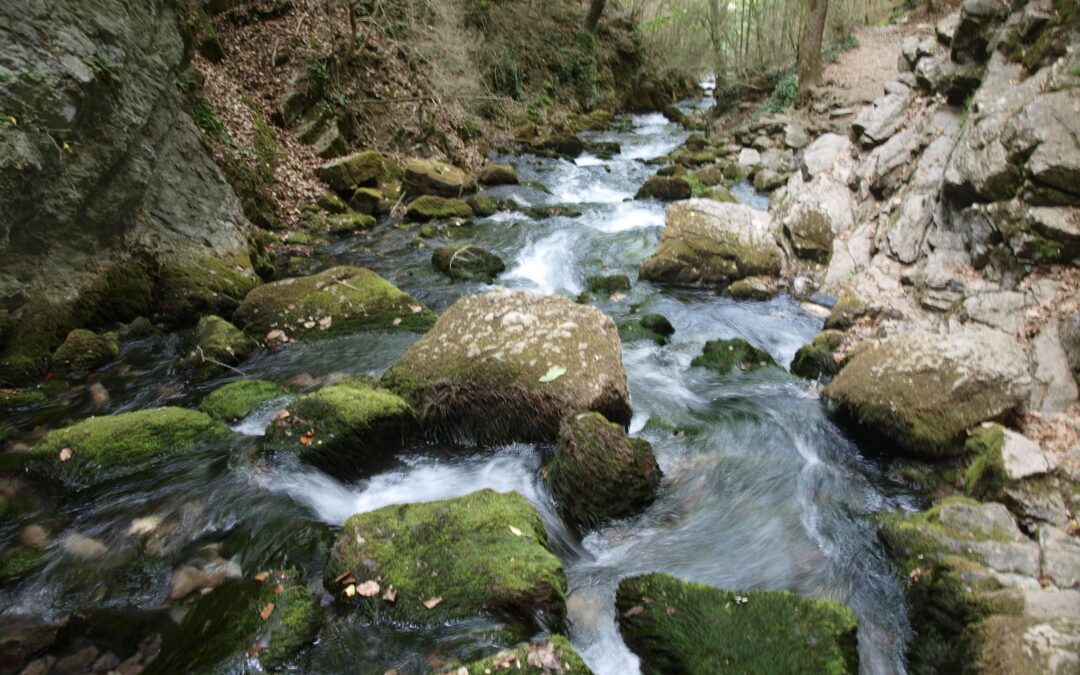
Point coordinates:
pixel 762 491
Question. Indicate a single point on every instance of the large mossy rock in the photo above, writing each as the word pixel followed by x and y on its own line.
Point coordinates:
pixel 484 553
pixel 85 350
pixel 427 177
pixel 598 473
pixel 217 344
pixel 430 207
pixel 509 365
pixel 467 263
pixel 724 356
pixel 680 627
pixel 713 244
pixel 497 174
pixel 664 188
pixel 815 360
pixel 337 301
pixel 344 429
pixel 923 390
pixel 99 449
pixel 361 169
pixel 239 399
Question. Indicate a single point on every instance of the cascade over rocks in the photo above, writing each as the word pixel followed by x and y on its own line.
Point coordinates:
pixel 510 365
pixel 139 217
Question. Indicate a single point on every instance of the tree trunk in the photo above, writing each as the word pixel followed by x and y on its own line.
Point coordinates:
pixel 596 8
pixel 810 66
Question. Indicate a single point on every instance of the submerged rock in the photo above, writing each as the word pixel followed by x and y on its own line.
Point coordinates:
pixel 680 627
pixel 600 474
pixel 924 390
pixel 239 399
pixel 344 429
pixel 337 301
pixel 509 365
pixel 99 449
pixel 724 355
pixel 85 350
pixel 467 263
pixel 711 243
pixel 449 560
pixel 653 327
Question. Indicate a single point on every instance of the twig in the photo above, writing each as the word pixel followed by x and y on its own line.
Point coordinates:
pixel 204 357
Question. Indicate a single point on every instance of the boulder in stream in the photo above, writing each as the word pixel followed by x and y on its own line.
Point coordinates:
pixel 334 302
pixel 923 391
pixel 598 473
pixel 239 399
pixel 653 327
pixel 664 188
pixel 497 174
pixel 467 263
pixel 450 560
pixel 428 177
pixel 710 243
pixel 430 207
pixel 216 345
pixel 85 350
pixel 99 449
pixel 681 627
pixel 724 356
pixel 509 365
pixel 815 360
pixel 345 429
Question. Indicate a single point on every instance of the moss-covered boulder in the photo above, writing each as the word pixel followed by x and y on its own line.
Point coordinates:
pixel 430 207
pixel 239 399
pixel 497 174
pixel 217 344
pixel 482 206
pixel 609 284
pixel 509 365
pixel 752 288
pixel 549 654
pixel 924 390
pixel 85 350
pixel 725 355
pixel 184 292
pixel 653 327
pixel 484 553
pixel 427 177
pixel 345 429
pixel 664 188
pixel 337 301
pixel 720 193
pixel 349 223
pixel 345 174
pixel 104 448
pixel 467 263
pixel 712 244
pixel 815 360
pixel 598 473
pixel 243 615
pixel 709 175
pixel 680 627
pixel 366 200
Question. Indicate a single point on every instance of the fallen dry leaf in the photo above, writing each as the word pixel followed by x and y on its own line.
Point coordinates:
pixel 282 414
pixel 262 576
pixel 368 589
pixel 350 590
pixel 267 611
pixel 432 603
pixel 307 438
pixel 396 321
pixel 278 589
pixel 633 611
pixel 65 454
pixel 390 595
pixel 505 659
pixel 670 610
pixel 543 655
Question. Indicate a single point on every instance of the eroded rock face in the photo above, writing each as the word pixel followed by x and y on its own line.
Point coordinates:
pixel 509 365
pixel 711 243
pixel 137 212
pixel 923 390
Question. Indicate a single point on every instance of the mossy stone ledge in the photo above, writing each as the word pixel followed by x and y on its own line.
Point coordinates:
pixel 334 302
pixel 484 553
pixel 99 449
pixel 598 473
pixel 681 627
pixel 239 399
pixel 509 365
pixel 345 429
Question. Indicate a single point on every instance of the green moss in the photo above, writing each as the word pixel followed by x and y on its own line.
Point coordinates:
pixel 482 206
pixel 338 301
pixel 330 202
pixel 6 431
pixel 598 474
pixel 724 355
pixel 518 660
pixel 294 624
pixel 985 478
pixel 815 360
pixel 460 550
pixel 344 429
pixel 297 238
pixel 680 627
pixel 608 284
pixel 430 207
pixel 239 399
pixel 16 563
pixel 33 397
pixel 216 344
pixel 85 350
pixel 467 262
pixel 632 331
pixel 105 448
pixel 185 292
pixel 844 313
pixel 349 223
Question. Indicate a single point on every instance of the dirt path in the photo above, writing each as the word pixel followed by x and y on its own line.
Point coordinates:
pixel 858 76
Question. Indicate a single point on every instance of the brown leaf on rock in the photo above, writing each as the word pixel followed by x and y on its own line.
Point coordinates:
pixel 262 576
pixel 267 611
pixel 279 589
pixel 282 414
pixel 368 589
pixel 670 610
pixel 432 603
pixel 390 595
pixel 65 454
pixel 633 611
pixel 543 655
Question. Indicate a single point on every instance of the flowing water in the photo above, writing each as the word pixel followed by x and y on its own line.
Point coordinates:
pixel 760 490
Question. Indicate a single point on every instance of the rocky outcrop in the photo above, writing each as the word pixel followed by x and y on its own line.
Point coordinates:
pixel 710 243
pixel 510 365
pixel 112 208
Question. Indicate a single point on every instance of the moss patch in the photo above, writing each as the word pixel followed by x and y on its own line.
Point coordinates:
pixel 344 429
pixel 815 360
pixel 460 550
pixel 184 292
pixel 680 627
pixel 430 207
pixel 608 284
pixel 217 344
pixel 338 301
pixel 105 448
pixel 985 478
pixel 85 350
pixel 239 399
pixel 725 355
